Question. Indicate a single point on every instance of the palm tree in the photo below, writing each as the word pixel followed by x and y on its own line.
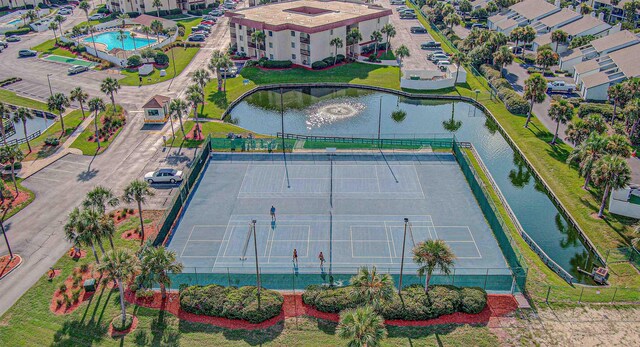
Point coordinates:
pixel 401 53
pixel 146 30
pixel 133 39
pixel 220 61
pixel 59 19
pixel 516 35
pixel 559 36
pixel 96 105
pixel 503 57
pixel 12 154
pixel 431 255
pixel 337 43
pixel 5 112
pixel 452 19
pixel 390 31
pixel 110 86
pixel 157 4
pixel 257 37
pixel 156 27
pixel 371 287
pixel 546 58
pixel 560 111
pixel 53 26
pixel 99 198
pixel 618 144
pixel 619 96
pixel 362 326
pixel 157 263
pixel 79 95
pixel 123 17
pixel 59 102
pixel 353 37
pixel 122 35
pixel 201 77
pixel 528 35
pixel 84 5
pixel 178 107
pixel 459 59
pixel 194 96
pixel 534 90
pixel 376 37
pixel 77 231
pixel 587 154
pixel 611 172
pixel 23 114
pixel 138 191
pixel 119 266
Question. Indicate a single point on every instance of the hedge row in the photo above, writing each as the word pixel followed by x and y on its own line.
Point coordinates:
pixel 231 302
pixel 21 31
pixel 417 305
pixel 585 109
pixel 327 62
pixel 513 101
pixel 276 64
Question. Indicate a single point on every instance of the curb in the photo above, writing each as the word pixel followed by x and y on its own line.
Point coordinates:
pixel 15 267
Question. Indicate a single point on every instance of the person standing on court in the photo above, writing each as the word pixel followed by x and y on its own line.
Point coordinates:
pixel 321 258
pixel 273 213
pixel 295 257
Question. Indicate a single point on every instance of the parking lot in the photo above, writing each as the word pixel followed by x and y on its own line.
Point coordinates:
pixel 418 59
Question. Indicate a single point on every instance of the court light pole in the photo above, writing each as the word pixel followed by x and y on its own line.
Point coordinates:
pixel 379 119
pixel 404 242
pixel 255 247
pixel 50 94
pixel 282 117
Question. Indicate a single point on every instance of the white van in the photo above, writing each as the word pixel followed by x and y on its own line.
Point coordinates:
pixel 438 56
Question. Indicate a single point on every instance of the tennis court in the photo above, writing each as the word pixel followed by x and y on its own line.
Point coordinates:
pixel 350 206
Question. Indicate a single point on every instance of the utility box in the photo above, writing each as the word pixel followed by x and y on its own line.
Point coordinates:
pixel 89 285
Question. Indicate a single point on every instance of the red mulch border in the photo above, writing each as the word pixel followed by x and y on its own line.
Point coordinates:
pixel 84 296
pixel 6 265
pixel 77 255
pixel 134 325
pixel 191 133
pixel 18 200
pixel 497 305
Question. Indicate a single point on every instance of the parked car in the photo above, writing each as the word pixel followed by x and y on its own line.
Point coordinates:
pixel 65 12
pixel 77 69
pixel 163 176
pixel 96 16
pixel 479 26
pixel 397 2
pixel 408 16
pixel 23 53
pixel 197 38
pixel 200 32
pixel 560 87
pixel 217 13
pixel 443 63
pixel 4 44
pixel 430 45
pixel 208 22
pixel 438 56
pixel 231 72
pixel 418 30
pixel 13 38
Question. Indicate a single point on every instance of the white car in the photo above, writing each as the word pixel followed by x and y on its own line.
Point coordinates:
pixel 97 16
pixel 77 69
pixel 163 176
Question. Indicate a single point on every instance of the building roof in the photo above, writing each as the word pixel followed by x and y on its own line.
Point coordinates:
pixel 557 18
pixel 308 16
pixel 614 40
pixel 496 18
pixel 532 9
pixel 627 60
pixel 543 39
pixel 506 24
pixel 620 4
pixel 145 19
pixel 157 101
pixel 581 25
pixel 588 65
pixel 595 79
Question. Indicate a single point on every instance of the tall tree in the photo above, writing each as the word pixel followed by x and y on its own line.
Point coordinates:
pixel 201 77
pixel 371 287
pixel 122 36
pixel 157 4
pixel 559 36
pixel 84 6
pixel 535 88
pixel 194 96
pixel 362 327
pixel 376 37
pixel 389 30
pixel 587 154
pixel 156 27
pixel 353 37
pixel 528 35
pixel 12 155
pixel 618 96
pixel 119 266
pixel 335 42
pixel 22 115
pixel 401 53
pixel 465 7
pixel 96 106
pixel 516 35
pixel 178 108
pixel 110 87
pixel 53 26
pixel 560 111
pixel 79 95
pixel 99 198
pixel 157 263
pixel 59 19
pixel 59 102
pixel 122 17
pixel 459 59
pixel 546 58
pixel 503 57
pixel 431 255
pixel 138 191
pixel 77 230
pixel 452 19
pixel 610 173
pixel 258 36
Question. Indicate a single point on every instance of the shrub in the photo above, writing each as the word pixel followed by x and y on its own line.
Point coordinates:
pixel 230 302
pixel 329 61
pixel 59 302
pixel 134 60
pixel 501 83
pixel 276 64
pixel 161 58
pixel 473 300
pixel 51 141
pixel 142 293
pixel 586 109
pixel 75 295
pixel 16 166
pixel 489 72
pixel 133 14
pixel 530 58
pixel 515 103
pixel 319 65
pixel 372 58
pixel 444 300
pixel 84 268
pixel 341 58
pixel 21 31
pixel 103 10
pixel 119 326
pixel 62 288
pixel 333 300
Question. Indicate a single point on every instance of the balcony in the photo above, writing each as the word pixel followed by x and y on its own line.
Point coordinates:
pixel 305 52
pixel 305 39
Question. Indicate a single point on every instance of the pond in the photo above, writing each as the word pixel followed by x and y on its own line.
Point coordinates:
pixel 33 125
pixel 355 112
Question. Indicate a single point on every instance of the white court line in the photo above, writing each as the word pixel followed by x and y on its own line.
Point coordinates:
pixel 388 232
pixel 472 238
pixel 377 179
pixel 226 229
pixel 212 240
pixel 418 180
pixel 185 244
pixel 197 256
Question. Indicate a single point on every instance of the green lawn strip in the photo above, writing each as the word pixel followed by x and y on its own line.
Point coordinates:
pixel 188 24
pixel 10 97
pixel 48 47
pixel 91 147
pixel 71 122
pixel 540 277
pixel 215 129
pixel 183 57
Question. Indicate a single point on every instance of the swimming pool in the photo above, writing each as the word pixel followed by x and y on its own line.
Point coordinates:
pixel 16 21
pixel 110 39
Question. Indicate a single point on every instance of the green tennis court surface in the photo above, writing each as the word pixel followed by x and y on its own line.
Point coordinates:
pixel 351 207
pixel 70 61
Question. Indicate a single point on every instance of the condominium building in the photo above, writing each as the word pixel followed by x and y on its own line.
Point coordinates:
pixel 585 26
pixel 521 14
pixel 598 48
pixel 301 31
pixel 146 6
pixel 615 8
pixel 20 3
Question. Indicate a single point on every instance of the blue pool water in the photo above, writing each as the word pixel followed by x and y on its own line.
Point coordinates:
pixel 110 40
pixel 16 21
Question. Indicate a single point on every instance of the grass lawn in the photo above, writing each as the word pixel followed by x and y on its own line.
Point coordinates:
pixel 39 150
pixel 30 322
pixel 91 147
pixel 10 97
pixel 48 47
pixel 183 57
pixel 188 24
pixel 215 129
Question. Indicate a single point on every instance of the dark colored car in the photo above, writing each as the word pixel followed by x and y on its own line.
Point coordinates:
pixel 430 45
pixel 197 38
pixel 418 30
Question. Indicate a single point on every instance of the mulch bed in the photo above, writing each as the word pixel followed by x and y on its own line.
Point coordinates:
pixel 191 135
pixel 77 255
pixel 497 306
pixel 133 327
pixel 84 296
pixel 18 200
pixel 6 265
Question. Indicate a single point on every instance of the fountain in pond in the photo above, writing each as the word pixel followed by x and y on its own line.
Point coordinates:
pixel 332 112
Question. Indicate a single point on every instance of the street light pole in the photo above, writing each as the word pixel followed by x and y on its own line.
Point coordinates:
pixel 404 241
pixel 50 94
pixel 173 59
pixel 255 247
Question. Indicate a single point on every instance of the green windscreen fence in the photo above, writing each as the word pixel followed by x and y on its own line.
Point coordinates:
pixel 492 214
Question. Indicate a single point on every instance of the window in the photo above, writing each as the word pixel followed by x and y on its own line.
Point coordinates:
pixel 240 37
pixel 270 44
pixel 293 57
pixel 153 112
pixel 293 33
pixel 270 33
pixel 240 26
pixel 271 56
pixel 293 45
pixel 378 20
